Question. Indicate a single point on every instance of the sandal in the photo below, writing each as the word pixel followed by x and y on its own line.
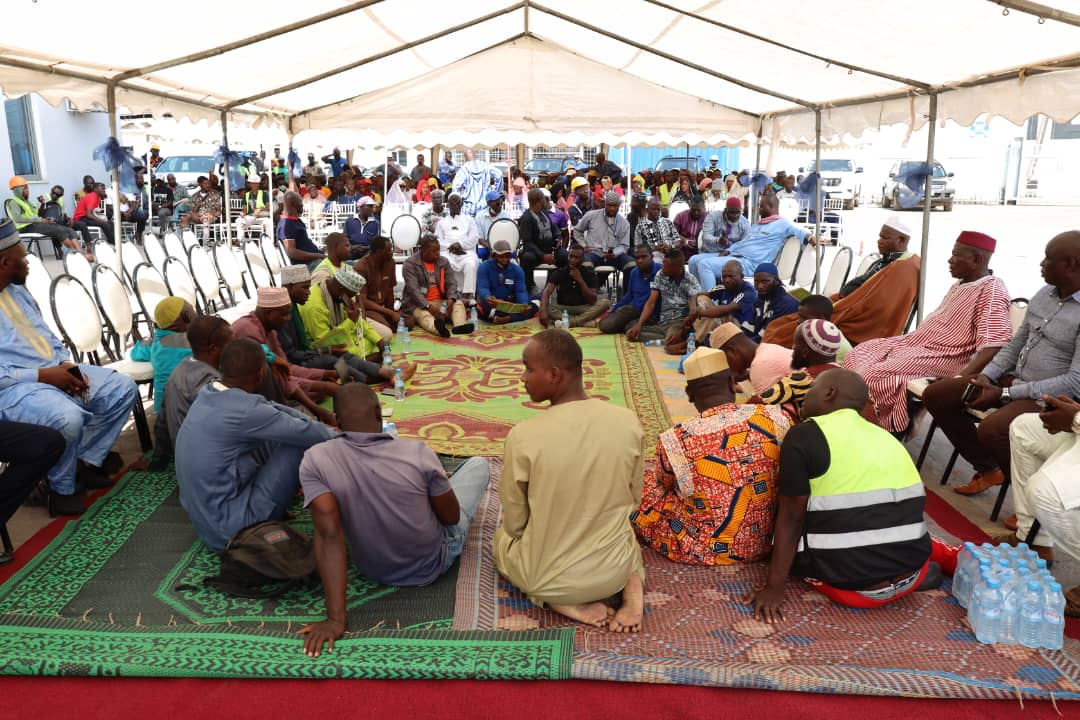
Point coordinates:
pixel 1072 606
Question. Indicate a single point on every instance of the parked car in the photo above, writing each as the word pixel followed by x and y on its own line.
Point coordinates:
pixel 186 168
pixel 550 166
pixel 838 178
pixel 689 163
pixel 942 192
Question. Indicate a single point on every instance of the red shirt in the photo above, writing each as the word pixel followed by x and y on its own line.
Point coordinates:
pixel 89 202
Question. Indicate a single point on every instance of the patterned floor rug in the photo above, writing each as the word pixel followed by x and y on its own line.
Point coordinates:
pixel 468 393
pixel 697 631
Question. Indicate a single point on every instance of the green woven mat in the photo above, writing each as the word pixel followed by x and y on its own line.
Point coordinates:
pixel 120 591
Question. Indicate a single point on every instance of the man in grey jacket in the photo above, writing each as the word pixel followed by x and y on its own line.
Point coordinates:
pixel 431 293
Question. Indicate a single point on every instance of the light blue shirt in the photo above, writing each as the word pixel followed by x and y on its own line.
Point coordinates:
pixel 763 242
pixel 713 238
pixel 484 221
pixel 26 342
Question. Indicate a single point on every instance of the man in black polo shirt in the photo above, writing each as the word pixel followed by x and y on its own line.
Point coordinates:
pixel 292 233
pixel 575 287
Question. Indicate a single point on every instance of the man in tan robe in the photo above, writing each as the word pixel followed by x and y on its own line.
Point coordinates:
pixel 875 304
pixel 571 477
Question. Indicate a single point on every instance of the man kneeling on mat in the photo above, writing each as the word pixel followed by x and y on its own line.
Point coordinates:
pixel 851 508
pixel 390 501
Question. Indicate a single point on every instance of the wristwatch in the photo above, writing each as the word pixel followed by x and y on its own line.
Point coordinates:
pixel 1005 397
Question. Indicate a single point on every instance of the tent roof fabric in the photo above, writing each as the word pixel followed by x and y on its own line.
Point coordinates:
pixel 605 69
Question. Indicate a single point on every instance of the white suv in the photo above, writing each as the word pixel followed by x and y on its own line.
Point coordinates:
pixel 838 178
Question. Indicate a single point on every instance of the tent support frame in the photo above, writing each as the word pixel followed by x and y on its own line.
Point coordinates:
pixel 227 235
pixel 1043 12
pixel 927 203
pixel 114 130
pixel 817 200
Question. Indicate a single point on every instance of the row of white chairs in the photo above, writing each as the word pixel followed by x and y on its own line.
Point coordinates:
pixel 798 267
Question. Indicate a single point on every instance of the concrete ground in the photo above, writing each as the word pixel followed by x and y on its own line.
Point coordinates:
pixel 1022 234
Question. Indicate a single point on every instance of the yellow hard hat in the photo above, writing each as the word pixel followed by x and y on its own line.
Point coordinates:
pixel 17 181
pixel 578 182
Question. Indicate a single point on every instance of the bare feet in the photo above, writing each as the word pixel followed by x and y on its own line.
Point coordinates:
pixel 407 370
pixel 595 614
pixel 628 616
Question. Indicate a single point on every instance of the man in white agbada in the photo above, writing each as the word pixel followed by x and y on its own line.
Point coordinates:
pixel 473 181
pixel 458 237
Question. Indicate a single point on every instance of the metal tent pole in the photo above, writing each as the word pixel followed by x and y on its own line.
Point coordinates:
pixel 228 200
pixel 817 200
pixel 752 211
pixel 928 191
pixel 114 129
pixel 629 178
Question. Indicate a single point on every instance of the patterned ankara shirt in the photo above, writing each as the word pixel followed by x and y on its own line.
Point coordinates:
pixel 711 496
pixel 675 295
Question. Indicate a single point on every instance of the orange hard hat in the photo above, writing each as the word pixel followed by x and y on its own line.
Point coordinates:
pixel 17 181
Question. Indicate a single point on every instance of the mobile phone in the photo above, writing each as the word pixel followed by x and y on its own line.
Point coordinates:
pixel 389 392
pixel 970 393
pixel 75 372
pixel 387 410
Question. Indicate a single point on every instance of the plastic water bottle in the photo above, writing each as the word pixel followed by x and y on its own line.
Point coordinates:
pixel 387 357
pixel 1053 626
pixel 1031 615
pixel 390 429
pixel 961 583
pixel 474 317
pixel 989 626
pixel 406 342
pixel 654 343
pixel 691 343
pixel 565 320
pixel 613 294
pixel 443 307
pixel 399 385
pixel 1012 588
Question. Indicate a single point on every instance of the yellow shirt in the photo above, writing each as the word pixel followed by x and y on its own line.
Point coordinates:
pixel 359 338
pixel 571 477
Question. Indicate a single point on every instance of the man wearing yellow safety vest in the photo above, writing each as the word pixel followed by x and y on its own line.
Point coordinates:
pixel 26 219
pixel 256 208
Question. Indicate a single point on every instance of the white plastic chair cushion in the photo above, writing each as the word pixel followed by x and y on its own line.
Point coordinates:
pixel 269 249
pixel 188 240
pixel 405 232
pixel 38 283
pixel 202 269
pixel 789 209
pixel 866 263
pixel 78 267
pixel 676 208
pixel 77 315
pixel 229 267
pixel 132 255
pixel 155 253
pixel 836 273
pixel 115 304
pixel 804 273
pixel 150 287
pixel 140 372
pixel 180 283
pixel 504 230
pixel 789 255
pixel 173 247
pixel 260 273
pixel 1017 313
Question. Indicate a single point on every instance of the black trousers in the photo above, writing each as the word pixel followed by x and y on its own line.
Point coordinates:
pixel 84 225
pixel 29 450
pixel 530 258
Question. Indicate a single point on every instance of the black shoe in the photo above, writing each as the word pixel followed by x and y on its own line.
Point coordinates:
pixel 92 478
pixel 464 329
pixel 158 463
pixel 932 580
pixel 440 326
pixel 113 463
pixel 65 504
pixel 6 558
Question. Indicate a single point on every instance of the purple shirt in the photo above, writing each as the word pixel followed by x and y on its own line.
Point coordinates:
pixel 688 227
pixel 383 488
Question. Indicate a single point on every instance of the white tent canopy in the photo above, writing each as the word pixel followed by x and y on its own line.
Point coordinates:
pixel 602 68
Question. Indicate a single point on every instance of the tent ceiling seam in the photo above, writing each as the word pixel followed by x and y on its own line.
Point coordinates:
pixel 1043 12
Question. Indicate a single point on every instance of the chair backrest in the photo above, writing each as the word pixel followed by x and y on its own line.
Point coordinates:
pixel 838 272
pixel 789 209
pixel 188 239
pixel 390 213
pixel 150 289
pixel 788 259
pixel 274 262
pixel 806 269
pixel 204 274
pixel 174 247
pixel 179 282
pixel 504 229
pixel 39 284
pixel 76 314
pixel 866 263
pixel 405 233
pixel 132 256
pixel 259 272
pixel 155 252
pixel 236 203
pixel 228 267
pixel 675 208
pixel 112 298
pixel 77 266
pixel 418 209
pixel 1018 308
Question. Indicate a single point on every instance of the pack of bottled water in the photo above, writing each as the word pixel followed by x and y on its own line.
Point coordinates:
pixel 1010 596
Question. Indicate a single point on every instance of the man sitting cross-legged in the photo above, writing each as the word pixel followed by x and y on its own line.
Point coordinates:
pixel 672 290
pixel 389 501
pixel 501 281
pixel 960 337
pixel 207 335
pixel 773 301
pixel 332 319
pixel 431 291
pixel 337 253
pixel 732 301
pixel 575 287
pixel 237 454
pixel 627 311
pixel 565 538
pixel 851 508
pixel 380 272
pixel 710 499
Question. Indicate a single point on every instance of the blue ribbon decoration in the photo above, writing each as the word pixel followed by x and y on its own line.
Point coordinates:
pixel 114 156
pixel 758 181
pixel 233 162
pixel 911 186
pixel 296 167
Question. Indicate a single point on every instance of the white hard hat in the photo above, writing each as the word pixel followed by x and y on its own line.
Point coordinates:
pixel 715 158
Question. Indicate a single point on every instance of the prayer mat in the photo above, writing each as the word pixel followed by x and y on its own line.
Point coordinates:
pixel 467 393
pixel 697 631
pixel 120 592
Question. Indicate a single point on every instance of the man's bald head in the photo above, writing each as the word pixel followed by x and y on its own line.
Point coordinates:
pixel 357 408
pixel 837 389
pixel 294 204
pixel 1061 264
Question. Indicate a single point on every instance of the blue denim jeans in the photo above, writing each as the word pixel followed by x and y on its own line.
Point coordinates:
pixel 468 483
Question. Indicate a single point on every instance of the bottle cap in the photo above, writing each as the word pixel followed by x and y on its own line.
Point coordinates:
pixel 1033 584
pixel 993 583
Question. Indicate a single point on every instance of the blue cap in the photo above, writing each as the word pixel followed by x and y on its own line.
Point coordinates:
pixel 767 268
pixel 9 236
pixel 493 195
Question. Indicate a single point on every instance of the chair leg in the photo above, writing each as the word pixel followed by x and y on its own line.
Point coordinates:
pixel 926 443
pixel 142 425
pixel 1030 539
pixel 949 466
pixel 5 538
pixel 1000 499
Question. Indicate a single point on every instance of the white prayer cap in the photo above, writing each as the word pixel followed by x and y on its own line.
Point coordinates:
pixel 897 223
